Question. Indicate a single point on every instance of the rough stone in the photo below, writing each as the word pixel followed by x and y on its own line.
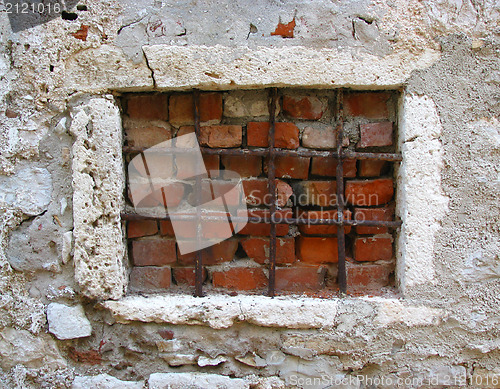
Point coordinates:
pixel 30 190
pixel 68 322
pixel 192 380
pixel 104 381
pixel 22 347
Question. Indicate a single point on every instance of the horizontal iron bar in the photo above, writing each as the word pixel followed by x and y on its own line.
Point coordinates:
pixel 265 151
pixel 251 219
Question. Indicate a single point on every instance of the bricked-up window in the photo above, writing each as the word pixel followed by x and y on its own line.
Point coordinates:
pixel 294 175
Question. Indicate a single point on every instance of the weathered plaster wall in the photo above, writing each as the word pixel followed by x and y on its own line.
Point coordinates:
pixel 55 95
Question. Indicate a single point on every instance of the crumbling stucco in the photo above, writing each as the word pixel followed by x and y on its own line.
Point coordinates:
pixel 444 55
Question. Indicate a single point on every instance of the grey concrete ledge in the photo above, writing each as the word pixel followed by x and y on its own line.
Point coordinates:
pixel 290 312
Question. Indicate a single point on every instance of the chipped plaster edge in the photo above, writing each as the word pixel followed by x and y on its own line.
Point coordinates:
pixel 421 203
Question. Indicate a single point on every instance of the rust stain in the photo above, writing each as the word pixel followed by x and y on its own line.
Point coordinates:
pixel 285 30
pixel 81 33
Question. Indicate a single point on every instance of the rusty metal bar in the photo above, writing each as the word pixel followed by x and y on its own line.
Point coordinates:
pixel 278 152
pixel 256 220
pixel 199 253
pixel 271 174
pixel 341 273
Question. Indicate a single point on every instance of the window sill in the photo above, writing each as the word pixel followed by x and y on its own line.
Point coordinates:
pixel 220 312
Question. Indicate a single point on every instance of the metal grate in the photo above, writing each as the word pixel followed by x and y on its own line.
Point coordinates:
pixel 271 152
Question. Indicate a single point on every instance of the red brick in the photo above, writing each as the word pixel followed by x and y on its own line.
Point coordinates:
pixel 166 228
pixel 240 278
pixel 174 191
pixel 283 193
pixel 148 136
pixel 375 134
pixel 369 192
pixel 290 167
pixel 187 169
pixel 82 32
pixel 286 135
pixel 257 192
pixel 90 357
pixel 150 279
pixel 244 165
pixel 148 106
pixel 322 229
pixel 371 167
pixel 264 229
pixel 322 193
pixel 285 30
pixel 366 277
pixel 186 275
pixel 138 228
pixel 317 250
pixel 372 105
pixel 299 279
pixel 258 249
pixel 372 249
pixel 221 136
pixel 181 108
pixel 304 107
pixel 319 138
pixel 384 214
pixel 213 255
pixel 213 189
pixel 153 252
pixel 327 167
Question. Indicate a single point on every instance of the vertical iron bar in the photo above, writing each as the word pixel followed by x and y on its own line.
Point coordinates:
pixel 341 276
pixel 199 253
pixel 271 173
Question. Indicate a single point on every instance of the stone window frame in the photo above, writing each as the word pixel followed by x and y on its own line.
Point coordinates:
pixel 98 180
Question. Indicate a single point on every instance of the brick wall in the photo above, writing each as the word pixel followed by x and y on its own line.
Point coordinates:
pixel 306 255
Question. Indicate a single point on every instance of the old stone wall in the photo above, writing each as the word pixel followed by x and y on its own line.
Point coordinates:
pixel 64 320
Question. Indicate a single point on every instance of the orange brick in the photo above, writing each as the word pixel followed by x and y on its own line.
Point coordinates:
pixel 327 166
pixel 290 167
pixel 213 255
pixel 372 105
pixel 375 134
pixel 181 108
pixel 244 165
pixel 221 136
pixel 240 278
pixel 304 107
pixel 286 135
pixel 317 250
pixel 147 136
pixel 150 279
pixel 257 192
pixel 383 214
pixel 300 278
pixel 153 252
pixel 264 229
pixel 187 275
pixel 139 228
pixel 322 229
pixel 322 193
pixel 258 249
pixel 371 167
pixel 372 249
pixel 366 277
pixel 147 106
pixel 369 192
